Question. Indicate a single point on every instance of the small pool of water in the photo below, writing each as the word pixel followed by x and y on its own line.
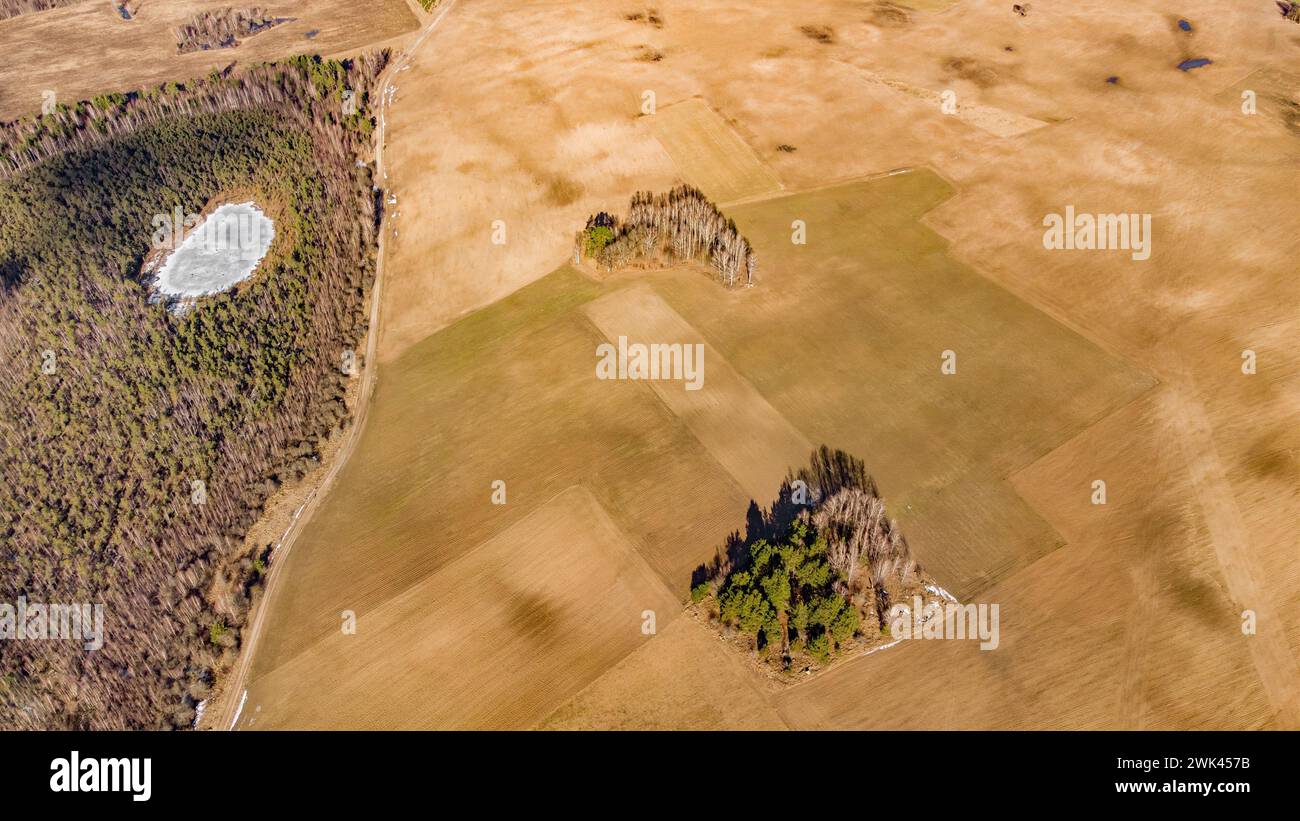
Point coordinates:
pixel 1185 25
pixel 1188 65
pixel 217 253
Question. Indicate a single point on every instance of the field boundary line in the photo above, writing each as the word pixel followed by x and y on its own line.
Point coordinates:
pixel 699 415
pixel 999 123
pixel 714 139
pixel 870 176
pixel 1126 354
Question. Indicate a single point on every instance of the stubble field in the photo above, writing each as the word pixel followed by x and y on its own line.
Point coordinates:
pixel 1119 615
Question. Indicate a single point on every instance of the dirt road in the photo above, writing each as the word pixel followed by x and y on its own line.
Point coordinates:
pixel 231 701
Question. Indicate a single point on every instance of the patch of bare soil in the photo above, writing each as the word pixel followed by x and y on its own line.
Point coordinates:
pixel 649 17
pixel 822 34
pixel 971 69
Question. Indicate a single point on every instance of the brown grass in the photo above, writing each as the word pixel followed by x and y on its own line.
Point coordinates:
pixel 500 638
pixel 1124 615
pixel 710 154
pixel 734 423
pixel 99 52
pixel 1113 628
pixel 682 679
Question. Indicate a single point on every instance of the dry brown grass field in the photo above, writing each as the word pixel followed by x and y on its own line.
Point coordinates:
pixel 844 338
pixel 507 394
pixel 1120 615
pixel 686 679
pixel 1073 366
pixel 710 154
pixel 87 49
pixel 735 424
pixel 510 393
pixel 499 638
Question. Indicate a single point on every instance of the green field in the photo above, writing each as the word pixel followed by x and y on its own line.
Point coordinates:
pixel 842 338
pixel 508 393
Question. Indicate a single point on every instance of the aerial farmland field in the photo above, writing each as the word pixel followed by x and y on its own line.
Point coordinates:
pixel 725 365
pixel 101 52
pixel 508 394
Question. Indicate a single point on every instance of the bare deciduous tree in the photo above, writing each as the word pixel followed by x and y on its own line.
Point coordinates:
pixel 222 28
pixel 680 225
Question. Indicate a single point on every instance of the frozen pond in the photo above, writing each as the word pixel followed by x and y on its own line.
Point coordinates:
pixel 218 252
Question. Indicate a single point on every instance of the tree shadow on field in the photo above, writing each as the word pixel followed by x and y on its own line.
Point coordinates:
pixel 734 553
pixel 828 472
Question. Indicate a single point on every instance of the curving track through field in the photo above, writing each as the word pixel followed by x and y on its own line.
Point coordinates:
pixel 226 712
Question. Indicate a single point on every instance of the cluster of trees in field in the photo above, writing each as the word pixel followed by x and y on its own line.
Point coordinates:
pixel 649 16
pixel 817 573
pixel 13 8
pixel 137 444
pixel 222 28
pixel 680 225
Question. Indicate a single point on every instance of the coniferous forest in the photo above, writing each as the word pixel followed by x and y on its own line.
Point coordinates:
pixel 138 443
